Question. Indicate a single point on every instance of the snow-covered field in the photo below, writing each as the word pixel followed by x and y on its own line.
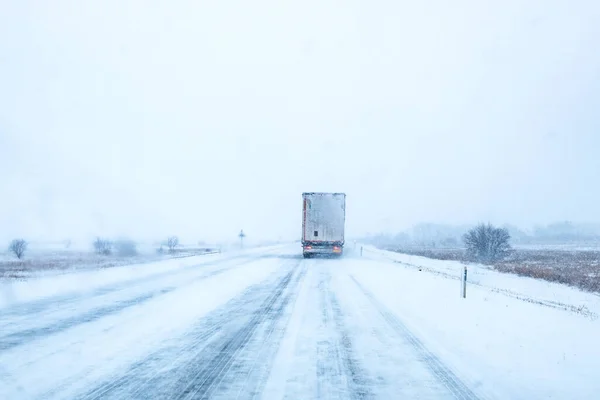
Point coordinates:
pixel 41 285
pixel 523 337
pixel 558 247
pixel 265 323
pixel 54 259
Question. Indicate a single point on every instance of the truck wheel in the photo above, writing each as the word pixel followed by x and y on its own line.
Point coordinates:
pixel 306 255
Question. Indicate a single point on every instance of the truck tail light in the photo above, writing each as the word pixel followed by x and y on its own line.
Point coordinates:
pixel 307 247
pixel 337 249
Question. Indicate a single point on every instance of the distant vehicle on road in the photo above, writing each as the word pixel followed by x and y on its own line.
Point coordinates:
pixel 323 223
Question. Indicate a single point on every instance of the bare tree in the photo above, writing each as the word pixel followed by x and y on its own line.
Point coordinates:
pixel 487 243
pixel 172 243
pixel 126 247
pixel 103 246
pixel 18 247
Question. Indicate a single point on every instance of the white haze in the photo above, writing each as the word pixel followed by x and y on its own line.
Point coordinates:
pixel 200 118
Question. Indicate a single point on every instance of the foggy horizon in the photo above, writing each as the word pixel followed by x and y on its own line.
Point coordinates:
pixel 147 120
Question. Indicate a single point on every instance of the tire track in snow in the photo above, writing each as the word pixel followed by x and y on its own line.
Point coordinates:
pixel 25 336
pixel 21 337
pixel 339 374
pixel 197 364
pixel 253 364
pixel 456 387
pixel 206 381
pixel 51 302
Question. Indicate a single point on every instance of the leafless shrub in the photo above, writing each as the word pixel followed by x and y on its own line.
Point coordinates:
pixel 103 246
pixel 126 248
pixel 18 247
pixel 172 243
pixel 487 243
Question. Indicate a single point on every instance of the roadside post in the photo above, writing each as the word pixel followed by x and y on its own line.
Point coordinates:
pixel 242 235
pixel 463 284
pixel 361 248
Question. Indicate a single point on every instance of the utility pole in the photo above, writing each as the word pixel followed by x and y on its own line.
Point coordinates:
pixel 242 235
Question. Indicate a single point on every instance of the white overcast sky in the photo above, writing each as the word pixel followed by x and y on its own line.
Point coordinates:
pixel 199 118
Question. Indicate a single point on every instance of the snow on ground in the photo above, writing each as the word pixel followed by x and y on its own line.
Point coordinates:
pixel 338 346
pixel 548 294
pixel 78 356
pixel 39 287
pixel 265 323
pixel 503 344
pixel 49 264
pixel 558 247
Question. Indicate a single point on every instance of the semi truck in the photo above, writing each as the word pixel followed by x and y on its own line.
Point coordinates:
pixel 323 223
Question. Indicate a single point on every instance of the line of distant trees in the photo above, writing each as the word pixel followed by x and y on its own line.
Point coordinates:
pixel 451 236
pixel 122 247
pixel 101 245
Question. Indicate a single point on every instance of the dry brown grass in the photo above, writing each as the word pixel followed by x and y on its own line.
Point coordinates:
pixel 63 261
pixel 575 268
pixel 580 268
pixel 437 254
pixel 41 262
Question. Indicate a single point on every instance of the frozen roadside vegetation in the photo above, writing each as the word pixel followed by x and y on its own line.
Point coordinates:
pixel 527 289
pixel 53 260
pixel 53 263
pixel 570 265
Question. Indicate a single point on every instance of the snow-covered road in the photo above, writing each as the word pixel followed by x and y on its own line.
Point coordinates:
pixel 263 324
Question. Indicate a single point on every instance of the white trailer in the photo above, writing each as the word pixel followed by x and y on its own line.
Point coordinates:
pixel 323 223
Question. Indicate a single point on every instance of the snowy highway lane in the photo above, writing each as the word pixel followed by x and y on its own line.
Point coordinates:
pixel 268 325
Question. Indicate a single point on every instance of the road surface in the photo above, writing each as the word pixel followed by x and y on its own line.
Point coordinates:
pixel 267 325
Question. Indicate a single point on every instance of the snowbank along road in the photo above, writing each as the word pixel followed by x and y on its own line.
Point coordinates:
pixel 265 324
